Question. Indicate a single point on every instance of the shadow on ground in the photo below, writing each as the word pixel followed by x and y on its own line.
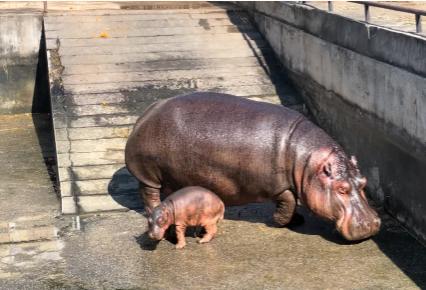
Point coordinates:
pixel 44 130
pixel 403 249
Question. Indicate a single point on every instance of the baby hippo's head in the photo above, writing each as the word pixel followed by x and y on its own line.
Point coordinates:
pixel 158 222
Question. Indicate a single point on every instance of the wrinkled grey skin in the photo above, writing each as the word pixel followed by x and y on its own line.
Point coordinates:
pixel 247 151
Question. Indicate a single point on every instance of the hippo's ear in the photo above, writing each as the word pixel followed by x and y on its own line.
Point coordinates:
pixel 362 182
pixel 354 161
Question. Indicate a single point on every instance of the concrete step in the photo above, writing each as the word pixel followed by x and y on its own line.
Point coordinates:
pixel 28 228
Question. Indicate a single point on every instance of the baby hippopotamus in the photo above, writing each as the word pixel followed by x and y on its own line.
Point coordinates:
pixel 189 206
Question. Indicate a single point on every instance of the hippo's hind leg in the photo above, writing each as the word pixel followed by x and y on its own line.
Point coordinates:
pixel 211 230
pixel 286 208
pixel 150 197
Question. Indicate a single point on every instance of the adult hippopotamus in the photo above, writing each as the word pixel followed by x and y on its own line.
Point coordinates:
pixel 247 151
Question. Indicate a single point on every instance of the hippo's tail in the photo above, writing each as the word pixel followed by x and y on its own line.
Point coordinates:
pixel 222 216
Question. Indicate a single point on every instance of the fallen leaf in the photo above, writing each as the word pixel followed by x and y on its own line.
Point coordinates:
pixel 103 35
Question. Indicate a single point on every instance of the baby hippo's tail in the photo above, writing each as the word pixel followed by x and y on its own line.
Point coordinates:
pixel 222 216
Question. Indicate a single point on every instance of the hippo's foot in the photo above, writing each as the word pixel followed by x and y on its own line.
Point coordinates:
pixel 280 220
pixel 180 245
pixel 286 208
pixel 210 233
pixel 205 239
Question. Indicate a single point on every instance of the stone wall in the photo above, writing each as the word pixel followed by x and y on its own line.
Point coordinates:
pixel 366 86
pixel 20 36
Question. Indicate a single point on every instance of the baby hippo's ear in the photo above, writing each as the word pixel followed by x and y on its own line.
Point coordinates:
pixel 162 216
pixel 167 215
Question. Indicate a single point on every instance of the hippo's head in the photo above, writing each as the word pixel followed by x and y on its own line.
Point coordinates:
pixel 158 222
pixel 333 188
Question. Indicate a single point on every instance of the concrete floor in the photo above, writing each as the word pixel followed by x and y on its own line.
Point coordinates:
pixel 111 251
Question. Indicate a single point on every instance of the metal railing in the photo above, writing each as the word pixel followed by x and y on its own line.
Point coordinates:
pixel 417 12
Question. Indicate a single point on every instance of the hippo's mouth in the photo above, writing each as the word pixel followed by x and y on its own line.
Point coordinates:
pixel 155 237
pixel 355 227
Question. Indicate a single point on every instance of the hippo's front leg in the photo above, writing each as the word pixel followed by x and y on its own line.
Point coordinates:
pixel 286 207
pixel 150 197
pixel 180 235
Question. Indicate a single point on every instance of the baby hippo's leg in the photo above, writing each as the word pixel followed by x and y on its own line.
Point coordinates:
pixel 180 235
pixel 211 230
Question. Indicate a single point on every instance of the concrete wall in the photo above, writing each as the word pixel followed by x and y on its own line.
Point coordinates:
pixel 20 36
pixel 366 86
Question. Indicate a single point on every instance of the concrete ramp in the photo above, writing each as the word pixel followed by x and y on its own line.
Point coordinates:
pixel 106 66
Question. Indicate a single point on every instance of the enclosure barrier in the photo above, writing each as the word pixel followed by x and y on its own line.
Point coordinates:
pixel 417 12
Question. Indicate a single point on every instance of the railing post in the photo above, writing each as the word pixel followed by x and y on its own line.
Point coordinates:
pixel 44 7
pixel 418 23
pixel 330 6
pixel 367 12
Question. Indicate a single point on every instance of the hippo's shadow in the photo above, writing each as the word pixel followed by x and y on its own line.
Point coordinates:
pixel 123 188
pixel 147 244
pixel 308 225
pixel 314 225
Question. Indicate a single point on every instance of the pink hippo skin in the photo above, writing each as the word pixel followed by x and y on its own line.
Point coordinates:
pixel 189 206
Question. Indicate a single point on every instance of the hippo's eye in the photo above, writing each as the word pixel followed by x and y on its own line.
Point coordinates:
pixel 160 221
pixel 344 188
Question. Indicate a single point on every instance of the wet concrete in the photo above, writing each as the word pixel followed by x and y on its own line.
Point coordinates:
pixel 112 252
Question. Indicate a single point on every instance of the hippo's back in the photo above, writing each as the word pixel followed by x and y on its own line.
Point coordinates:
pixel 230 145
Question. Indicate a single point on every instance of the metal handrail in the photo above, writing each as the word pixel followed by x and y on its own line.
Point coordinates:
pixel 417 12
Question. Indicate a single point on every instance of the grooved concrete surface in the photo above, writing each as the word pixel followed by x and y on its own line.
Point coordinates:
pixel 107 65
